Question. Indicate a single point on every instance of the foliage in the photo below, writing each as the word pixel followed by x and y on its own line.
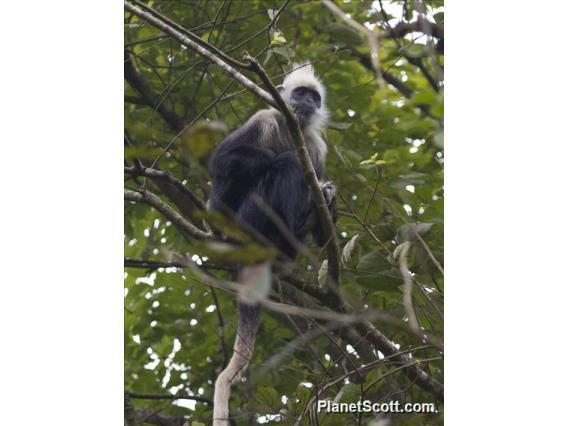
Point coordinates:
pixel 385 155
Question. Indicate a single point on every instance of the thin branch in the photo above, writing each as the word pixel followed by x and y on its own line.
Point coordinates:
pixel 178 220
pixel 263 30
pixel 194 38
pixel 344 315
pixel 150 264
pixel 136 100
pixel 139 84
pixel 129 412
pixel 403 28
pixel 425 72
pixel 414 373
pixel 319 392
pixel 155 418
pixel 166 176
pixel 378 340
pixel 373 38
pixel 154 396
pixel 195 120
pixel 198 47
pixel 221 327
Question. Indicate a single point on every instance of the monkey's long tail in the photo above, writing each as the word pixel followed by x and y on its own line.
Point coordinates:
pixel 249 316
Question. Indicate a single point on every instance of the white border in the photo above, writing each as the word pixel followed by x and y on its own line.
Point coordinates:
pixel 505 211
pixel 61 214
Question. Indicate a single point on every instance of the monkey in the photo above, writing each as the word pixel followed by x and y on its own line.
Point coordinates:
pixel 258 162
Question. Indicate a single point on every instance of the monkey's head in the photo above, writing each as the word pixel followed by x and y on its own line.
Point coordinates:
pixel 305 93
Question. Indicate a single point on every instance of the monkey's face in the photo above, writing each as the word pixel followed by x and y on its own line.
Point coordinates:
pixel 306 102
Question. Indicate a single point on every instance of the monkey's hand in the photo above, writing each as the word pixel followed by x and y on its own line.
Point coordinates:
pixel 329 193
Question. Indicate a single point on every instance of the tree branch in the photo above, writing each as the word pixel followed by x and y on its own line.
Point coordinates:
pixel 129 412
pixel 150 264
pixel 403 28
pixel 166 176
pixel 178 220
pixel 369 333
pixel 392 80
pixel 155 418
pixel 372 62
pixel 154 396
pixel 199 48
pixel 139 84
pixel 414 372
pixel 194 38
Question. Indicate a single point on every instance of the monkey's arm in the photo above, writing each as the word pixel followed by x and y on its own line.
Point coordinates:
pixel 240 155
pixel 235 166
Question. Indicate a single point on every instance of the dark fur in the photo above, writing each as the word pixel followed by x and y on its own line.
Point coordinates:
pixel 244 172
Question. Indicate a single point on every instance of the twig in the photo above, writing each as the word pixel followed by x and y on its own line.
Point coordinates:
pixel 223 343
pixel 139 83
pixel 178 220
pixel 195 120
pixel 414 373
pixel 155 396
pixel 373 38
pixel 167 176
pixel 198 47
pixel 194 38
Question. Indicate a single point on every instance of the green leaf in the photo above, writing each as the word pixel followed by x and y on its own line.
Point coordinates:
pixel 388 280
pixel 268 396
pixel 200 139
pixel 439 139
pixel 339 126
pixel 348 250
pixel 322 273
pixel 283 51
pixel 373 262
pixel 351 392
pixel 416 50
pixel 277 39
pixel 408 231
pixel 371 162
pixel 142 152
pixel 427 97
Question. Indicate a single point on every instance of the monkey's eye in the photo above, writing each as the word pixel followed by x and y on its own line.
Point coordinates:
pixel 316 96
pixel 300 92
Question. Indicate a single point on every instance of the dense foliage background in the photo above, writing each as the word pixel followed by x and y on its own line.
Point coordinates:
pixel 386 156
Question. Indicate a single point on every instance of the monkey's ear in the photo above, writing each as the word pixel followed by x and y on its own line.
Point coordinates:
pixel 280 88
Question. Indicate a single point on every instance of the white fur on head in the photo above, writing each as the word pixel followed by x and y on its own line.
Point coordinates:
pixel 303 76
